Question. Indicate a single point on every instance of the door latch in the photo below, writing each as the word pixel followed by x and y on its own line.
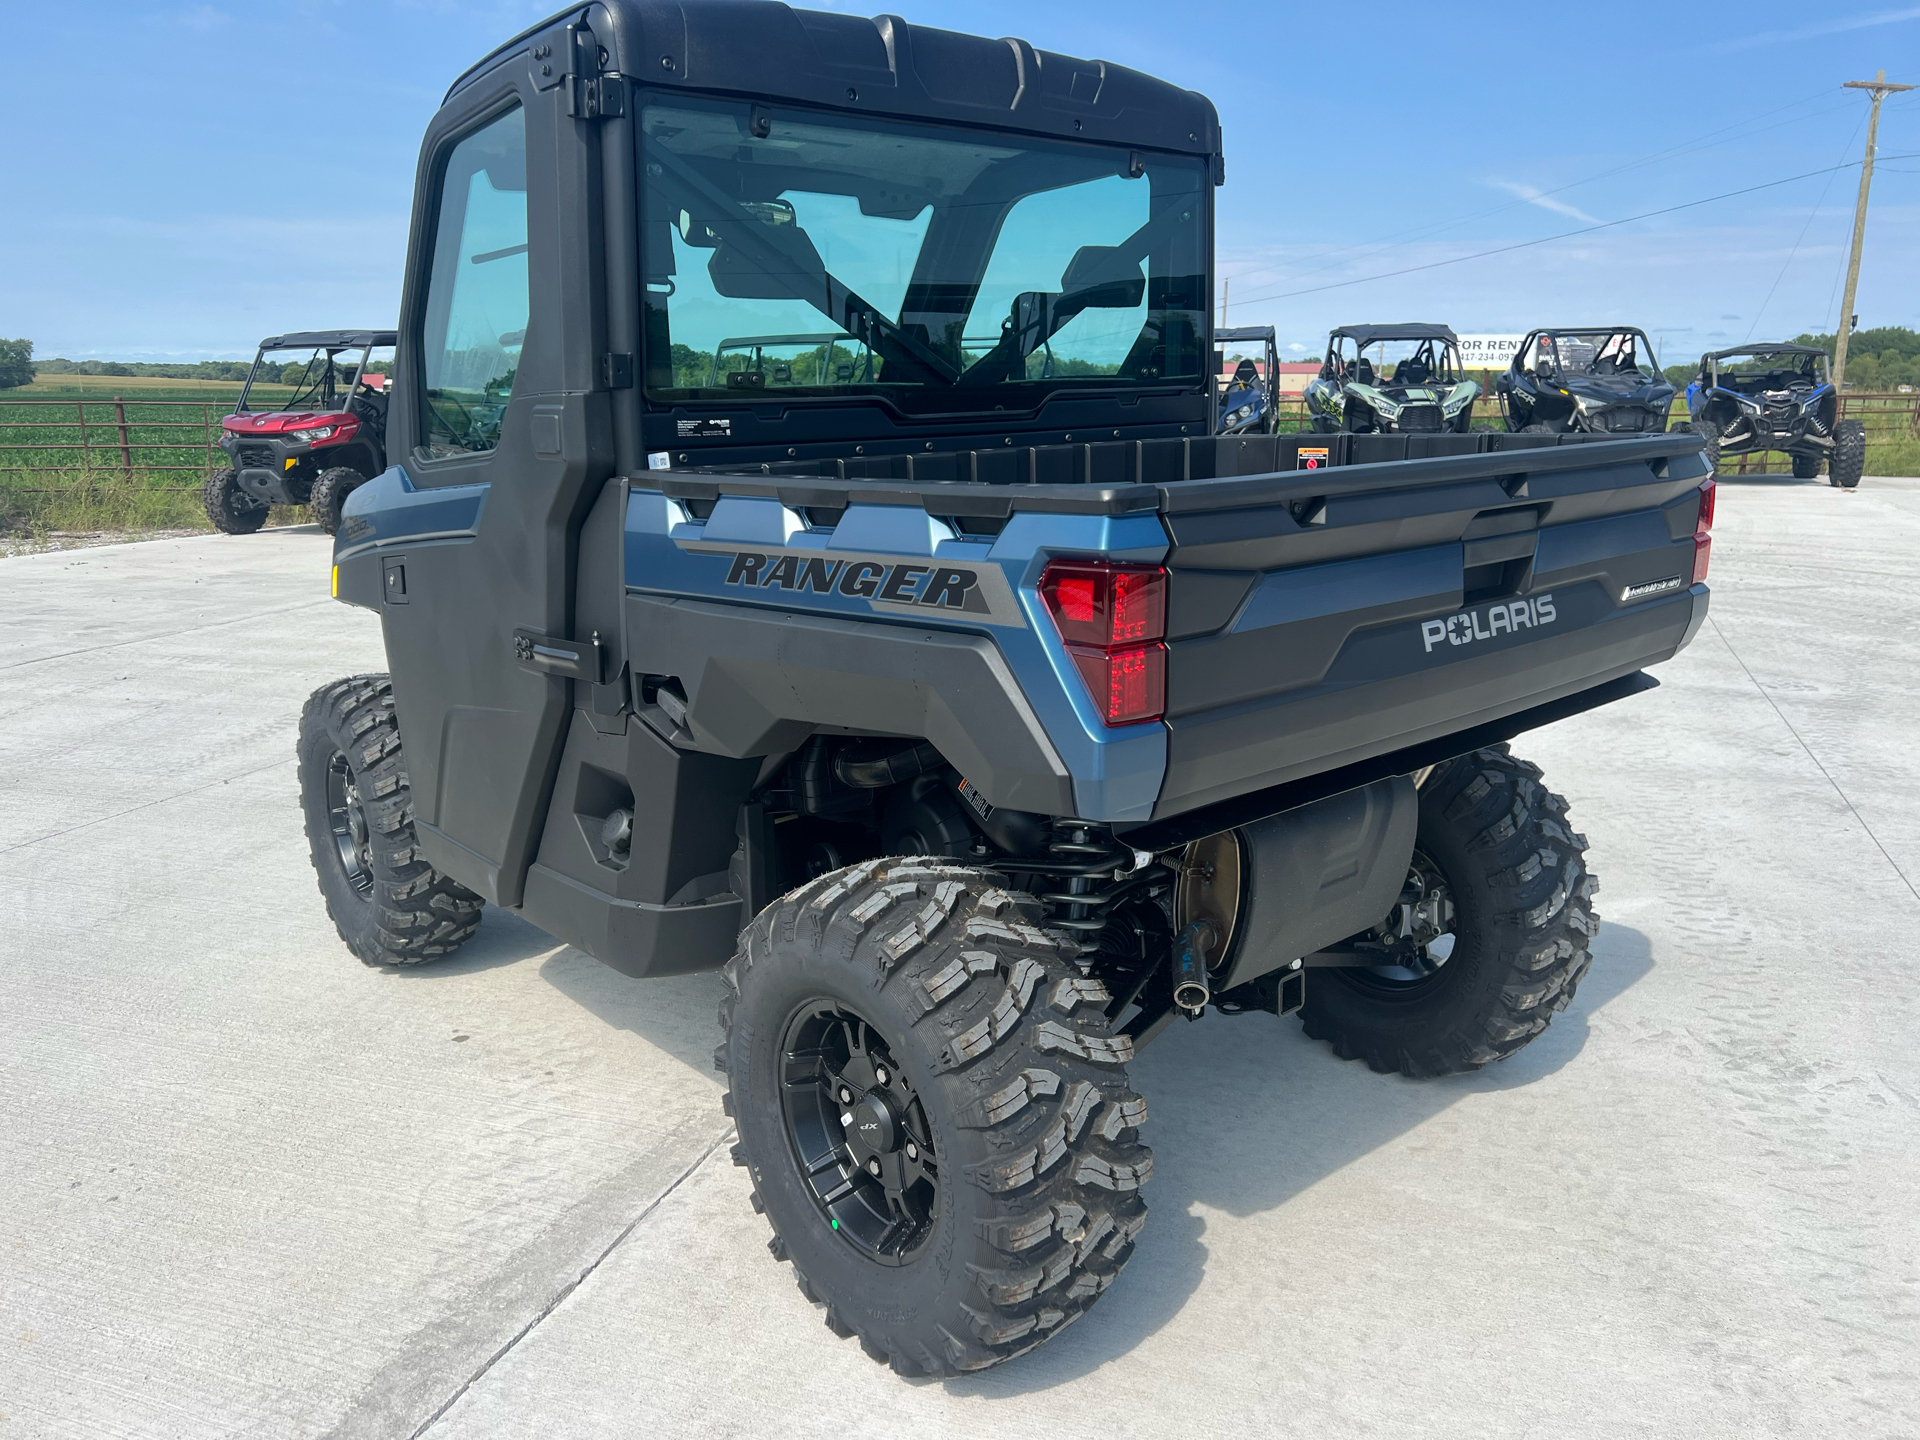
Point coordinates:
pixel 567 659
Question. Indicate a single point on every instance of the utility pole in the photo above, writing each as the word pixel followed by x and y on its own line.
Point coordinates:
pixel 1879 89
pixel 1226 289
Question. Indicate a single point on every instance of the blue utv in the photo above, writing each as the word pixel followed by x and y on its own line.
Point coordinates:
pixel 976 716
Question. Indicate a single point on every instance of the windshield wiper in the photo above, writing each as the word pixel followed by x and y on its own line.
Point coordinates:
pixel 838 301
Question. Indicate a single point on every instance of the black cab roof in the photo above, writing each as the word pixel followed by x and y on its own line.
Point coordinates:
pixel 771 51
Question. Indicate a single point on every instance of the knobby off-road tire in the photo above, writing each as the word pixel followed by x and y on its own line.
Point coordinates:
pixel 1849 459
pixel 1523 916
pixel 389 905
pixel 1806 467
pixel 231 511
pixel 330 491
pixel 1709 432
pixel 1020 1102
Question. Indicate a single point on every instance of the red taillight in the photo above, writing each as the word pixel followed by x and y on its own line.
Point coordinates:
pixel 1096 602
pixel 1702 540
pixel 1127 686
pixel 1112 617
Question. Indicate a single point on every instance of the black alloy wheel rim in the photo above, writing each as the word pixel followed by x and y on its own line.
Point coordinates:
pixel 858 1133
pixel 1415 958
pixel 347 818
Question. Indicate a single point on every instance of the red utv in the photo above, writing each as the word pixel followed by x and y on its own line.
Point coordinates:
pixel 313 447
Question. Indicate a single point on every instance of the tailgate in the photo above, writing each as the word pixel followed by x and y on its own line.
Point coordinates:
pixel 1318 619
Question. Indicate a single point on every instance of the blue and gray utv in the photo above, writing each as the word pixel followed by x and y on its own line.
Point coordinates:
pixel 928 666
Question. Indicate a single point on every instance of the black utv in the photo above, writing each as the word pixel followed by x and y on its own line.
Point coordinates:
pixel 312 447
pixel 1776 397
pixel 1600 381
pixel 956 692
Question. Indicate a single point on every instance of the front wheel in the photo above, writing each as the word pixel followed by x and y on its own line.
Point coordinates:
pixel 230 509
pixel 330 491
pixel 1489 939
pixel 1709 432
pixel 934 1112
pixel 1849 460
pixel 389 904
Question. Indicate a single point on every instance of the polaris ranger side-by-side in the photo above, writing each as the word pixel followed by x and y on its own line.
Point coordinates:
pixel 957 692
pixel 312 448
pixel 1776 397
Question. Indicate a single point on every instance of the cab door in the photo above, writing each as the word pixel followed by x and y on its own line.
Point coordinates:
pixel 500 431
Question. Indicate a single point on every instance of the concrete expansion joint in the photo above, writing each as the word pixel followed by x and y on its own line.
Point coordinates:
pixel 724 1137
pixel 1845 799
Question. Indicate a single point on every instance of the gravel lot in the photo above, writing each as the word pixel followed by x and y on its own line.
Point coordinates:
pixel 250 1187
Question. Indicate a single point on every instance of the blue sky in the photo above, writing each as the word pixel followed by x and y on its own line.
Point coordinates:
pixel 182 179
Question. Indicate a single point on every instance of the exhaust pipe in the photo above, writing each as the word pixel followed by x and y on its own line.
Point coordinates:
pixel 1191 988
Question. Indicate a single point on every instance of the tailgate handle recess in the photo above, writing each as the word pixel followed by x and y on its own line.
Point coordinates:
pixel 1496 548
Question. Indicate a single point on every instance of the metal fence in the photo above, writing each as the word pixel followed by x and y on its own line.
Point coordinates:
pixel 182 437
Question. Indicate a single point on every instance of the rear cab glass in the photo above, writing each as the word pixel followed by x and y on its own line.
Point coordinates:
pixel 818 255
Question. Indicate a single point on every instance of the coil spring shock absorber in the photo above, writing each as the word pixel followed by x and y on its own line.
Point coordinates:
pixel 1087 874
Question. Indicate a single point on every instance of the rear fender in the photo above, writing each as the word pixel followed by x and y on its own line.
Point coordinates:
pixel 804 589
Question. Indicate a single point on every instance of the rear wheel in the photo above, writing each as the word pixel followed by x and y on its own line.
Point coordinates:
pixel 1806 467
pixel 1849 460
pixel 230 509
pixel 1709 432
pixel 389 905
pixel 1539 427
pixel 1490 937
pixel 933 1111
pixel 330 491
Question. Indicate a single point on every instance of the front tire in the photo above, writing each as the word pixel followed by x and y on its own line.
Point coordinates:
pixel 389 905
pixel 933 1111
pixel 1498 874
pixel 229 509
pixel 330 491
pixel 1709 432
pixel 1849 461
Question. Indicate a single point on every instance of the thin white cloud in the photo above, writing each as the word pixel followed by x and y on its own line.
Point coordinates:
pixel 1826 27
pixel 1532 195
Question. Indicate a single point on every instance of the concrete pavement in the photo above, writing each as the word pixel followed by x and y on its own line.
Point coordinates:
pixel 250 1187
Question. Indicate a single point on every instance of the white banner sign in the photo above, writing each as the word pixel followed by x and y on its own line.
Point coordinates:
pixel 1488 352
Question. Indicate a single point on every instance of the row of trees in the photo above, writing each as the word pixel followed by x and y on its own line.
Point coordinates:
pixel 18 367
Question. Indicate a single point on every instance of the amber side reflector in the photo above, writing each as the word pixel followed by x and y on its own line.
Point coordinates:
pixel 336 582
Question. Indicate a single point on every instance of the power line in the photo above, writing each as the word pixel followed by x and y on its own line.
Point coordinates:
pixel 1802 236
pixel 1699 142
pixel 1563 235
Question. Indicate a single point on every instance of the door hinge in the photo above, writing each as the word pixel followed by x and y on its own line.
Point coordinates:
pixel 616 370
pixel 597 97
